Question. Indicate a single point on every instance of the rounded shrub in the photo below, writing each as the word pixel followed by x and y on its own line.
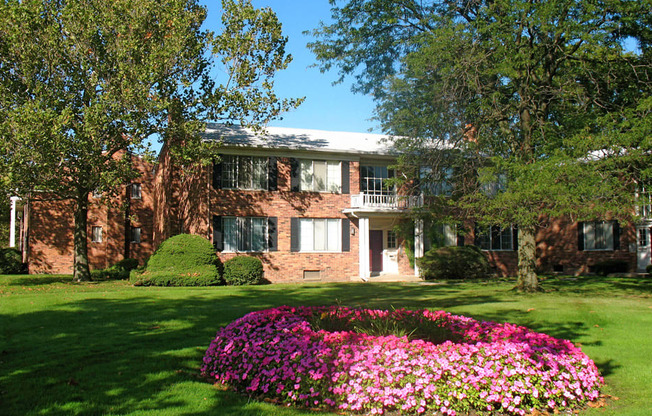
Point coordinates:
pixel 11 261
pixel 467 262
pixel 182 260
pixel 243 270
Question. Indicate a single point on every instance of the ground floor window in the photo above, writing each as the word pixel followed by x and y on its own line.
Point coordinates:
pixel 135 235
pixel 320 234
pixel 96 234
pixel 598 235
pixel 244 233
pixel 496 238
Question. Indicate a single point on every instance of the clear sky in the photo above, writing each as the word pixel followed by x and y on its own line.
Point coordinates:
pixel 326 107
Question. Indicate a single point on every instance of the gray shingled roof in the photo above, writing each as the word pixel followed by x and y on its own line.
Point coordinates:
pixel 300 139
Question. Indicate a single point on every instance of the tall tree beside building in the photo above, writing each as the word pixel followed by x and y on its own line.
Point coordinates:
pixel 539 100
pixel 84 83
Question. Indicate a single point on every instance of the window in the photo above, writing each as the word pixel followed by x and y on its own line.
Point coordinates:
pixel 374 180
pixel 136 191
pixel 440 185
pixel 441 235
pixel 496 238
pixel 97 193
pixel 320 234
pixel 135 235
pixel 391 239
pixel 598 235
pixel 321 176
pixel 493 185
pixel 244 234
pixel 244 172
pixel 96 234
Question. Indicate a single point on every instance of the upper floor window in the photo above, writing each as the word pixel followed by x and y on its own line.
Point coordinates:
pixel 494 184
pixel 599 235
pixel 644 201
pixel 96 234
pixel 136 191
pixel 496 238
pixel 321 175
pixel 97 193
pixel 375 180
pixel 438 185
pixel 244 172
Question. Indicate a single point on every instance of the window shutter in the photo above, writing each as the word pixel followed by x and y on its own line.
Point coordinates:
pixel 460 239
pixel 616 234
pixel 580 236
pixel 218 240
pixel 272 233
pixel 217 175
pixel 294 234
pixel 295 175
pixel 345 178
pixel 515 238
pixel 495 237
pixel 272 174
pixel 476 235
pixel 346 235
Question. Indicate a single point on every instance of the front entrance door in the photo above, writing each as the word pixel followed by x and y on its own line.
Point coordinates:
pixel 643 247
pixel 376 250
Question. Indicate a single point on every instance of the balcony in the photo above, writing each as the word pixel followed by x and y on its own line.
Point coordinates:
pixel 385 202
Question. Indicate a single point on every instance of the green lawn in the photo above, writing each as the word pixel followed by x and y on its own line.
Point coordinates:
pixel 109 348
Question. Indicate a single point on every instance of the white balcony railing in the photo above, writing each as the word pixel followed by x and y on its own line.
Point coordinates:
pixel 390 202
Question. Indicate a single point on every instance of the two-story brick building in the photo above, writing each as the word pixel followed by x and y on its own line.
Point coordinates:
pixel 312 205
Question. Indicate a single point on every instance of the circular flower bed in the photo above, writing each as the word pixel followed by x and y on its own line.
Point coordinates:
pixel 413 362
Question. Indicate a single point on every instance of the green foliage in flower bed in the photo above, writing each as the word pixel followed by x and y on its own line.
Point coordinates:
pixel 243 270
pixel 182 260
pixel 466 262
pixel 120 270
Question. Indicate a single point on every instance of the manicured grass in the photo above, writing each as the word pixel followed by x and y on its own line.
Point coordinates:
pixel 109 348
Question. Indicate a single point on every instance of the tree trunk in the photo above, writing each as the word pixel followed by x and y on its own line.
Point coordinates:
pixel 527 276
pixel 81 271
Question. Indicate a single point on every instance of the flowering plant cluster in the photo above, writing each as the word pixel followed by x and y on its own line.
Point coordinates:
pixel 285 354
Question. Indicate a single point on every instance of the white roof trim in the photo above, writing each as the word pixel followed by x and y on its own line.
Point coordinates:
pixel 300 139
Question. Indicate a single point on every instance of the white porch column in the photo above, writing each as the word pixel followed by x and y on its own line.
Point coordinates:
pixel 363 228
pixel 418 244
pixel 12 222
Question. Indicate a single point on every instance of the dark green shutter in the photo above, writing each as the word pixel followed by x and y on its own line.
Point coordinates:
pixel 580 236
pixel 616 234
pixel 346 235
pixel 294 234
pixel 272 234
pixel 272 174
pixel 346 178
pixel 218 239
pixel 217 175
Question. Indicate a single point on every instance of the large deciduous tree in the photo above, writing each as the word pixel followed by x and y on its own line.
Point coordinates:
pixel 540 97
pixel 86 83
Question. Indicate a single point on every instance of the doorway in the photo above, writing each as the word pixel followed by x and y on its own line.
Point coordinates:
pixel 642 247
pixel 375 250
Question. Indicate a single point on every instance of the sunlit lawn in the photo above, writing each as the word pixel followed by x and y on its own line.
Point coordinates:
pixel 109 348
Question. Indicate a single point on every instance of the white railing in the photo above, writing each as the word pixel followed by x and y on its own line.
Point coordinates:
pixel 390 201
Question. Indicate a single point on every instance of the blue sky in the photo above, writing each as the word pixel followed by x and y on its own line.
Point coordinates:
pixel 326 107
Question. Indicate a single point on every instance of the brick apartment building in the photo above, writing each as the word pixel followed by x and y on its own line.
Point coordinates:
pixel 312 205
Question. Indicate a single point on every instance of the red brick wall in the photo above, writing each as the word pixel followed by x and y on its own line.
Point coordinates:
pixel 51 223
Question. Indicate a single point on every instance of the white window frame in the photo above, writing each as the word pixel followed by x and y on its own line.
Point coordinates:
pixel 332 182
pixel 238 234
pixel 96 234
pixel 245 172
pixel 448 233
pixel 136 235
pixel 330 240
pixel 441 187
pixel 378 181
pixel 392 239
pixel 486 239
pixel 598 236
pixel 136 191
